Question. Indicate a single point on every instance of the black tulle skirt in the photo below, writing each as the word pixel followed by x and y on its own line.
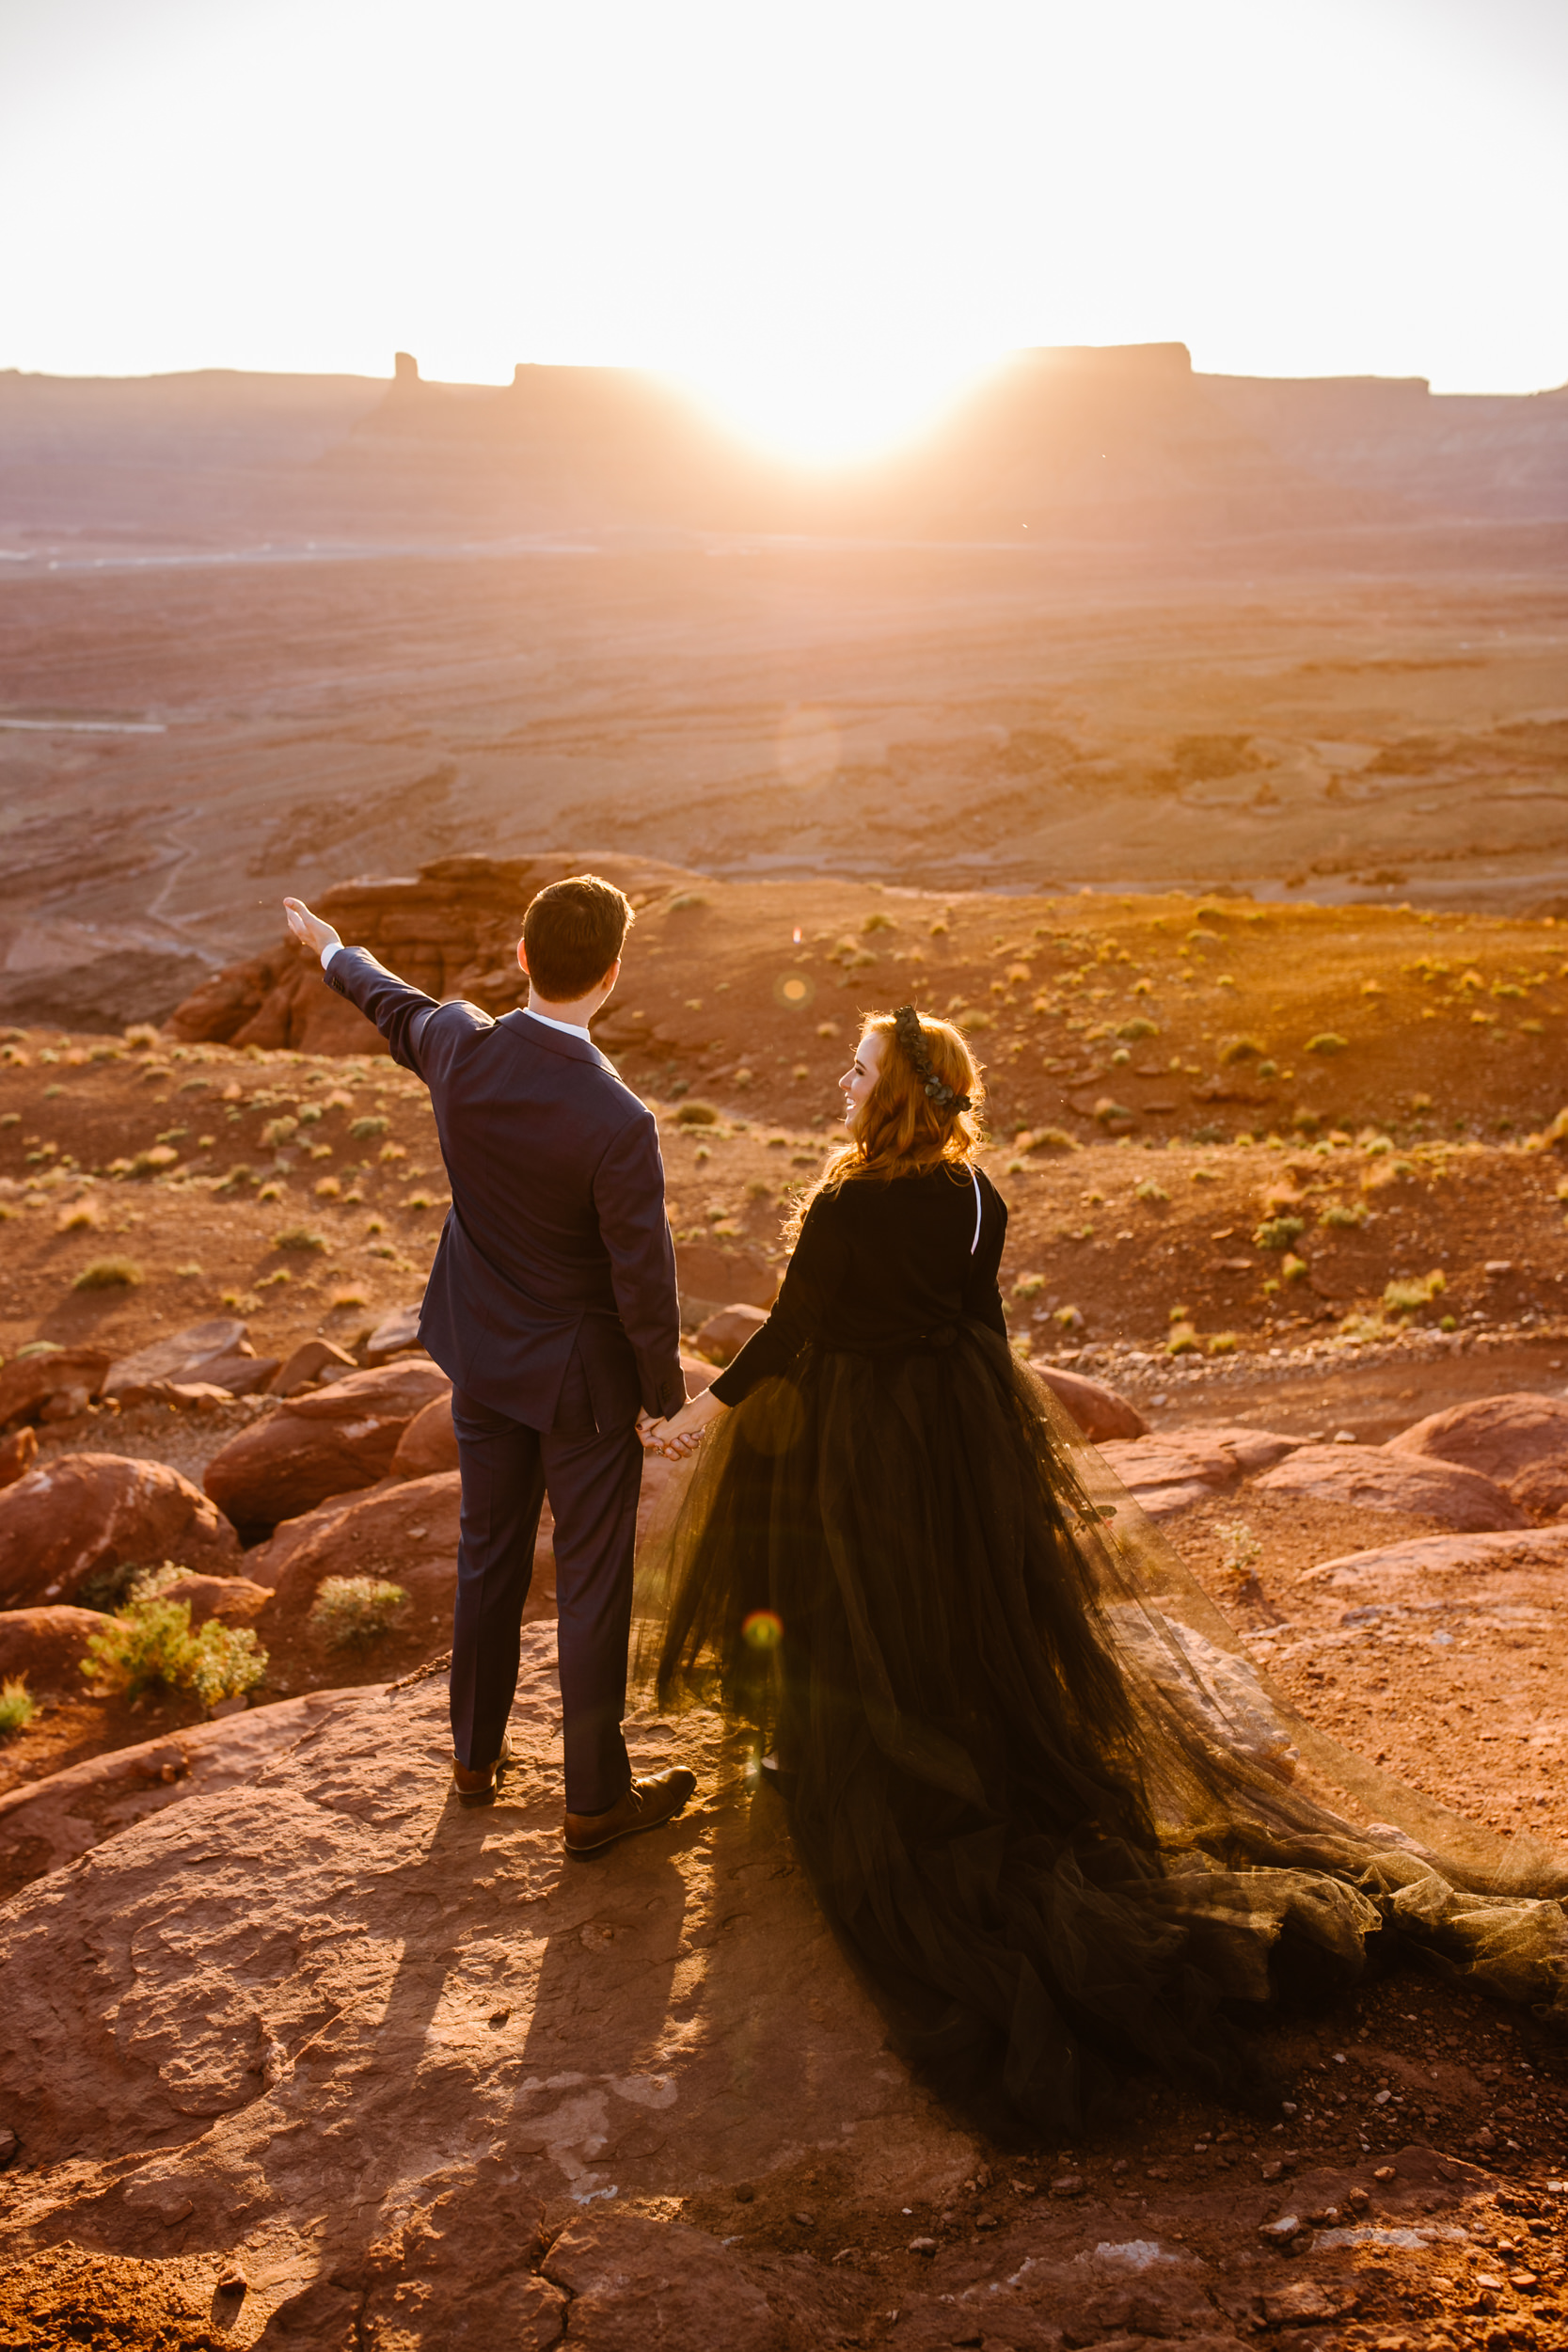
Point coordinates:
pixel 1050 1808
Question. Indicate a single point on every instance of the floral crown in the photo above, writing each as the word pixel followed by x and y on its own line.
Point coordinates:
pixel 906 1023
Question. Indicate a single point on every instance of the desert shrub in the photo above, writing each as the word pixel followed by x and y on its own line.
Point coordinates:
pixel 1242 1049
pixel 1292 1267
pixel 1131 1031
pixel 693 1113
pixel 1327 1041
pixel 80 1218
pixel 269 1192
pixel 1029 1286
pixel 148 1641
pixel 1223 1343
pixel 1112 1114
pixel 1278 1232
pixel 1149 1190
pixel 938 930
pixel 238 1175
pixel 342 1300
pixel 141 1036
pixel 278 1131
pixel 153 1161
pixel 326 1188
pixel 1337 1214
pixel 365 1130
pixel 878 921
pixel 1206 1176
pixel 16 1706
pixel 1045 1139
pixel 299 1238
pixel 108 1274
pixel 1403 1297
pixel 351 1611
pixel 1071 1318
pixel 684 900
pixel 310 1113
pixel 1183 1341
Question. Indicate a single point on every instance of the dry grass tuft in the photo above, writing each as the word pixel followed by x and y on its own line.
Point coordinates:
pixel 108 1274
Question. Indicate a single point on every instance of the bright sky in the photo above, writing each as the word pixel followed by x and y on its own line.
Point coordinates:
pixel 824 214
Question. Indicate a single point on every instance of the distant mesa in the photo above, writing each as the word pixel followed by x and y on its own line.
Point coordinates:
pixel 1127 443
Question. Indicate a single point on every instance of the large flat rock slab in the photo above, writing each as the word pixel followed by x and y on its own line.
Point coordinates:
pixel 1375 1478
pixel 1520 1441
pixel 291 2016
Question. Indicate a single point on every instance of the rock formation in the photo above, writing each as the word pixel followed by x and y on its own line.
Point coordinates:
pixel 1378 1478
pixel 451 930
pixel 1521 1443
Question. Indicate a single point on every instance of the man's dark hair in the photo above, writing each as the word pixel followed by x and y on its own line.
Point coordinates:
pixel 573 932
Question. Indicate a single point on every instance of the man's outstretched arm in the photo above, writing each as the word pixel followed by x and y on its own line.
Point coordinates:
pixel 401 1012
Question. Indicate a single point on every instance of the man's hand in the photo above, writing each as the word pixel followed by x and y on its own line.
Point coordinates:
pixel 682 1433
pixel 309 929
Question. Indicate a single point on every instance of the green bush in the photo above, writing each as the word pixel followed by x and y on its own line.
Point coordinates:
pixel 878 921
pixel 695 1114
pixel 1327 1041
pixel 1339 1214
pixel 16 1706
pixel 1404 1297
pixel 148 1641
pixel 1279 1232
pixel 1131 1031
pixel 351 1611
pixel 108 1274
pixel 1242 1049
pixel 299 1237
pixel 366 1130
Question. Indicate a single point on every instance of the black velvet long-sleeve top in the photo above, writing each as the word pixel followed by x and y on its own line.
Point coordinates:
pixel 878 1264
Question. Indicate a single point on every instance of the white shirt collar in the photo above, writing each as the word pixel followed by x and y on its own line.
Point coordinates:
pixel 568 1028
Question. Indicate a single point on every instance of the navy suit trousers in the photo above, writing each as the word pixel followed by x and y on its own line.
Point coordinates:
pixel 591 1477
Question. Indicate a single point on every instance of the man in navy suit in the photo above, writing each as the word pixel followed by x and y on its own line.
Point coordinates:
pixel 552 1304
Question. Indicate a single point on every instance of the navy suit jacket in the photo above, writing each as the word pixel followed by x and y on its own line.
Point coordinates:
pixel 557 1238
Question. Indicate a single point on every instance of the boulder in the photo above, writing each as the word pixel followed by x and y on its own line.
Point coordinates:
pixel 231 1599
pixel 307 1365
pixel 1166 1474
pixel 709 1275
pixel 326 1442
pixel 27 1385
pixel 1388 1566
pixel 393 1333
pixel 1100 1412
pixel 1519 1441
pixel 405 1533
pixel 46 1645
pixel 1251 1450
pixel 84 1512
pixel 429 1443
pixel 1375 1478
pixel 723 1335
pixel 18 1453
pixel 187 1396
pixel 187 1354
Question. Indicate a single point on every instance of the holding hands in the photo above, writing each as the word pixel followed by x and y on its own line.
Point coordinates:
pixel 682 1433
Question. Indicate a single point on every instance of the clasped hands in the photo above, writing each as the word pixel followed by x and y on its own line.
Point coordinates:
pixel 682 1433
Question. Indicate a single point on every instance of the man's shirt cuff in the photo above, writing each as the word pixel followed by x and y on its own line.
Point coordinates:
pixel 329 951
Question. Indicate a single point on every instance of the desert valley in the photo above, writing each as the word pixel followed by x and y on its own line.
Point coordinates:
pixel 1199 745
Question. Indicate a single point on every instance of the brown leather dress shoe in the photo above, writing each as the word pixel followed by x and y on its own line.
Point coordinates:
pixel 647 1804
pixel 480 1787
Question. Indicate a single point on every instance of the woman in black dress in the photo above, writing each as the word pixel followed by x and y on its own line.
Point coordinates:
pixel 1046 1800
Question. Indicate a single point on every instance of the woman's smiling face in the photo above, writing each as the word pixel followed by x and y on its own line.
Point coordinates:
pixel 862 1075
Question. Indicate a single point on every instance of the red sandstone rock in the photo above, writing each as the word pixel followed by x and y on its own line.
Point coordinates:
pixel 16 1455
pixel 723 1335
pixel 82 1512
pixel 451 930
pixel 1100 1412
pixel 183 1356
pixel 1388 1568
pixel 398 1330
pixel 710 1276
pixel 1519 1441
pixel 307 1365
pixel 232 1599
pixel 47 1645
pixel 1375 1478
pixel 326 1442
pixel 27 1386
pixel 429 1443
